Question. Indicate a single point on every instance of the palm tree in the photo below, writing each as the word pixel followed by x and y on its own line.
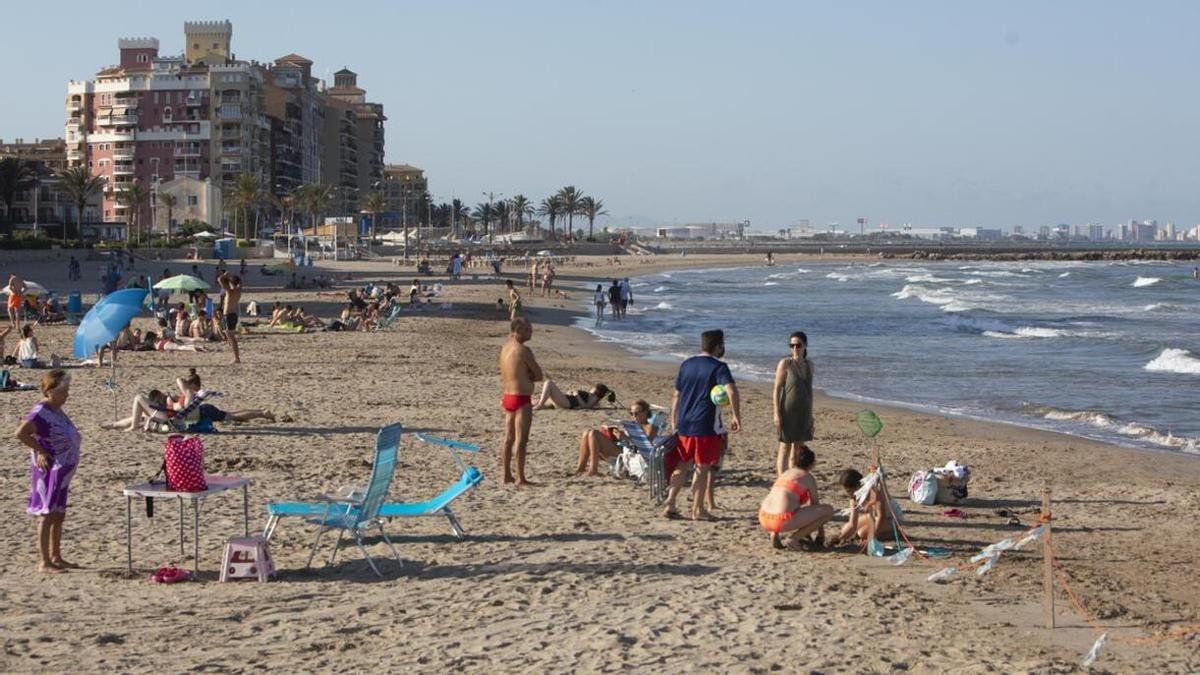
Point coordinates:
pixel 79 182
pixel 520 207
pixel 375 204
pixel 483 214
pixel 247 194
pixel 168 201
pixel 591 208
pixel 458 211
pixel 315 199
pixel 134 197
pixel 551 207
pixel 16 174
pixel 570 196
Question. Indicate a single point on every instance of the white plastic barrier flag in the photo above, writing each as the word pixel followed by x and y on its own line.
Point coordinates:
pixel 1095 651
pixel 987 566
pixel 901 556
pixel 944 573
pixel 1034 535
pixel 860 495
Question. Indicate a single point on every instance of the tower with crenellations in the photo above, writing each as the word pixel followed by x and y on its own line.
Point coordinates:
pixel 207 41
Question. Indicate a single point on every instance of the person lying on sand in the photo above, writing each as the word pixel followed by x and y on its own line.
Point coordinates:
pixel 867 520
pixel 596 445
pixel 189 386
pixel 581 399
pixel 149 406
pixel 794 507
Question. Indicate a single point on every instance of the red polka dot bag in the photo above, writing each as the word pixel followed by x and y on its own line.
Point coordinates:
pixel 183 458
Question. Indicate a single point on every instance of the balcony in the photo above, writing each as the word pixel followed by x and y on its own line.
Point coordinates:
pixel 187 173
pixel 123 169
pixel 75 124
pixel 123 155
pixel 193 101
pixel 187 152
pixel 121 135
pixel 125 102
pixel 74 105
pixel 74 155
pixel 117 121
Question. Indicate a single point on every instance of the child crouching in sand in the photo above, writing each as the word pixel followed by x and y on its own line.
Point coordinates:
pixel 794 507
pixel 868 519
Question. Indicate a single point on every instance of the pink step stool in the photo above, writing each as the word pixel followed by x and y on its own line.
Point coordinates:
pixel 247 558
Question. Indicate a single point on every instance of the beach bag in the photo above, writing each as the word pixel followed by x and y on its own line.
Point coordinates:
pixel 923 488
pixel 183 461
pixel 951 489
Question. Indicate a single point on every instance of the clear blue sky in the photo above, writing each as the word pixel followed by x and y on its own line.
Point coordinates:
pixel 946 113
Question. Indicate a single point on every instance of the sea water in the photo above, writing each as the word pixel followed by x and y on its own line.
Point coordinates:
pixel 1109 351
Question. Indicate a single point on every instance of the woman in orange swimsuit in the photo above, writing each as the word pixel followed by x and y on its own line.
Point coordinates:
pixel 793 506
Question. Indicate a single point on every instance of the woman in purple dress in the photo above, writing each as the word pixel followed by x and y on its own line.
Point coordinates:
pixel 54 442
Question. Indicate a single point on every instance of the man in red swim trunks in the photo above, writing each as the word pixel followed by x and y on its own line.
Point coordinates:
pixel 519 370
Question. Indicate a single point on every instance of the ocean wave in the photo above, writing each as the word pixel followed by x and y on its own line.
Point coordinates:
pixel 1028 332
pixel 661 289
pixel 770 283
pixel 972 281
pixel 788 275
pixel 1173 360
pixel 838 276
pixel 1064 275
pixel 934 296
pixel 931 279
pixel 663 305
pixel 1145 281
pixel 1102 420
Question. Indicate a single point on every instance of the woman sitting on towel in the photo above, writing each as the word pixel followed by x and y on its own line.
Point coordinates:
pixel 794 507
pixel 581 399
pixel 868 519
pixel 596 445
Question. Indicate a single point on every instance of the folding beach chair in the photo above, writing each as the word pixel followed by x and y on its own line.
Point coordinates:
pixel 437 506
pixel 653 453
pixel 179 423
pixel 387 321
pixel 355 514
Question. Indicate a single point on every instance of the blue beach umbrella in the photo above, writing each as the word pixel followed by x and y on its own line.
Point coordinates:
pixel 103 321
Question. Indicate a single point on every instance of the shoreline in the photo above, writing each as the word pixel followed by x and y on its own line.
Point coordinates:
pixel 583 570
pixel 850 398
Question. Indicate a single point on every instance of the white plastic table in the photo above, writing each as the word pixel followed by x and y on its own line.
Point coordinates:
pixel 216 485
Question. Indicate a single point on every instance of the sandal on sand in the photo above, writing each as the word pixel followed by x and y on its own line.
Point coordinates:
pixel 170 574
pixel 672 514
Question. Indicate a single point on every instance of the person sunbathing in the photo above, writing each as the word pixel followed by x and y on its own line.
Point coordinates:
pixel 200 328
pixel 581 399
pixel 149 406
pixel 868 519
pixel 794 507
pixel 596 445
pixel 189 387
pixel 168 344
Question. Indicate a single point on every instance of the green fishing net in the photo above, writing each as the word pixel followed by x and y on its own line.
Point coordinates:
pixel 868 423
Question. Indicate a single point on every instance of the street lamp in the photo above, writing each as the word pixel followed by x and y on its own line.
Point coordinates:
pixel 491 197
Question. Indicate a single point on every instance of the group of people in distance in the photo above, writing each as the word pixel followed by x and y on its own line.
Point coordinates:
pixel 618 297
pixel 792 508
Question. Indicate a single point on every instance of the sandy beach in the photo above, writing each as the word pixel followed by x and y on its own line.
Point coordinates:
pixel 577 574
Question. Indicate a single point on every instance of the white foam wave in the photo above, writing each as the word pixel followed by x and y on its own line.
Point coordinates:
pixel 770 283
pixel 788 275
pixel 934 296
pixel 838 276
pixel 973 280
pixel 661 289
pixel 664 305
pixel 1141 282
pixel 1173 360
pixel 1029 332
pixel 1102 420
pixel 1064 275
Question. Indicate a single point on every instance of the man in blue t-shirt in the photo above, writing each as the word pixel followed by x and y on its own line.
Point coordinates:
pixel 697 423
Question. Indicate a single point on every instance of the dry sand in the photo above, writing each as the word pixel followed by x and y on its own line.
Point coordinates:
pixel 579 574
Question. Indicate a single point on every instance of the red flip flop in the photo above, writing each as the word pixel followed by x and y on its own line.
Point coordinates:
pixel 170 574
pixel 954 513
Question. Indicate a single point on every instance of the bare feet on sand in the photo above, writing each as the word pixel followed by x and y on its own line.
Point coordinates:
pixel 50 569
pixel 64 565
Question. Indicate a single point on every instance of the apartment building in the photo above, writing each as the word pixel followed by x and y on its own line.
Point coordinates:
pixel 153 118
pixel 44 204
pixel 353 140
pixel 294 108
pixel 404 186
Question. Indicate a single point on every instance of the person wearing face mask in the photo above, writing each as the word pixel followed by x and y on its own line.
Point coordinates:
pixel 793 400
pixel 697 423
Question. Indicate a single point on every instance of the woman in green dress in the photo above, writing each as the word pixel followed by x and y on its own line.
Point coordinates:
pixel 793 397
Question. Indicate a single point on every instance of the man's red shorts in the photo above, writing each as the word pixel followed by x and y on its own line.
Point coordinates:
pixel 701 449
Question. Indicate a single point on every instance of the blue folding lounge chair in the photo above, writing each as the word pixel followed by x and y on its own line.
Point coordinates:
pixel 179 423
pixel 653 453
pixel 437 506
pixel 355 514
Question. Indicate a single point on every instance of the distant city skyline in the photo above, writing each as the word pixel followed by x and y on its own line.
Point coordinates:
pixel 936 114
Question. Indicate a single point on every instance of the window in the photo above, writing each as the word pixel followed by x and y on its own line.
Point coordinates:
pixel 141 58
pixel 156 97
pixel 192 200
pixel 195 45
